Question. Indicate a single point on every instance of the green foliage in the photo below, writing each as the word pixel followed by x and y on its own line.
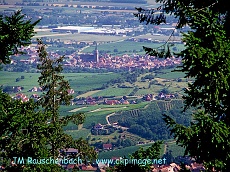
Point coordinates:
pixel 21 135
pixel 152 152
pixel 206 58
pixel 29 129
pixel 56 93
pixel 202 132
pixel 15 32
pixel 148 122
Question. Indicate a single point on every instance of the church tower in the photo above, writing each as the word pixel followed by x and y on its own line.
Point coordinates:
pixel 96 54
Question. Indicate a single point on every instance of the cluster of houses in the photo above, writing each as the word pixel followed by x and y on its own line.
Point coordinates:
pixel 125 62
pixel 163 96
pixel 100 129
pixel 24 98
pixel 101 100
pixel 35 97
pixel 96 100
pixel 36 89
pixel 160 96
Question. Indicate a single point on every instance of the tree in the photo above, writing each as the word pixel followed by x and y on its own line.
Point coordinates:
pixel 29 129
pixel 152 152
pixel 23 133
pixel 206 58
pixel 55 94
pixel 15 31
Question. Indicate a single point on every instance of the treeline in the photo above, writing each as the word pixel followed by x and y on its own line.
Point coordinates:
pixel 148 123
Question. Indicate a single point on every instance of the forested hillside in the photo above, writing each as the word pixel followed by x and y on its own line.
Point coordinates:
pixel 148 123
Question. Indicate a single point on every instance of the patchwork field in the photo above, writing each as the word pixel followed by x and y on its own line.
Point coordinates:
pixel 78 81
pixel 97 113
pixel 77 37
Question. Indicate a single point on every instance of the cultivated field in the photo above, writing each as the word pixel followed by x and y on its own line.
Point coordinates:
pixel 78 81
pixel 90 82
pixel 127 47
pixel 78 37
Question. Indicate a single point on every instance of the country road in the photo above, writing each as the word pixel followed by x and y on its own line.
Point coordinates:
pixel 107 119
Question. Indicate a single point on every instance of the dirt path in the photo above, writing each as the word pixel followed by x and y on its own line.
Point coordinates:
pixel 107 118
pixel 77 109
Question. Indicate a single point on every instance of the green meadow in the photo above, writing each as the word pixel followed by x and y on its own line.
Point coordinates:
pixel 122 46
pixel 127 47
pixel 78 81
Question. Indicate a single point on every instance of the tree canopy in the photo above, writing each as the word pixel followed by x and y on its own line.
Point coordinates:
pixel 35 129
pixel 15 31
pixel 55 93
pixel 206 58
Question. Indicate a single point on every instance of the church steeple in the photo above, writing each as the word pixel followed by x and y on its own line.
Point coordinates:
pixel 96 54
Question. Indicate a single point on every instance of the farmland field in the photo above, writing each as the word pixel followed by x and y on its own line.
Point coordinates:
pixel 114 92
pixel 89 81
pixel 171 75
pixel 122 46
pixel 78 133
pixel 78 81
pixel 127 47
pixel 78 37
pixel 98 113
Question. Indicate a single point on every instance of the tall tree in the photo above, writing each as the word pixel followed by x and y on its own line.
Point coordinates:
pixel 15 31
pixel 29 129
pixel 55 94
pixel 206 58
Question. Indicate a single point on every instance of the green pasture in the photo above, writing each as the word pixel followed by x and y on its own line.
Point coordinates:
pixel 76 134
pixel 78 37
pixel 171 75
pixel 122 46
pixel 89 81
pixel 78 81
pixel 9 79
pixel 154 89
pixel 125 47
pixel 114 92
